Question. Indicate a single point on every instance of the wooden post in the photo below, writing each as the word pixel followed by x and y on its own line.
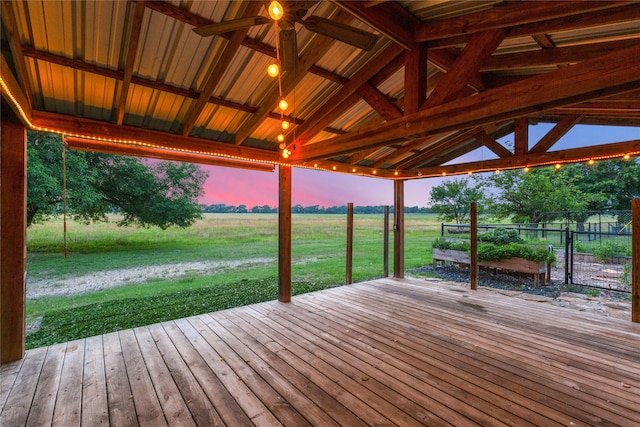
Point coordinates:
pixel 385 261
pixel 284 233
pixel 13 237
pixel 635 260
pixel 398 229
pixel 349 243
pixel 474 245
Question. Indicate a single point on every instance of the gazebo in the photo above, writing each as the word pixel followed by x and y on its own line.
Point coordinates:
pixel 395 90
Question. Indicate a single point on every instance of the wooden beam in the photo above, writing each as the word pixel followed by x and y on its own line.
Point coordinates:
pixel 217 72
pixel 506 15
pixel 284 233
pixel 535 159
pixel 480 47
pixel 398 229
pixel 553 57
pixel 444 60
pixel 379 102
pixel 616 14
pixel 390 19
pixel 13 239
pixel 521 136
pixel 155 153
pixel 134 29
pixel 13 93
pixel 493 145
pixel 415 78
pixel 75 126
pixel 554 89
pixel 326 113
pixel 349 260
pixel 10 26
pixel 440 146
pixel 635 260
pixel 385 242
pixel 557 132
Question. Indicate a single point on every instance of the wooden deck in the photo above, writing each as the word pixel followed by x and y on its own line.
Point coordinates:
pixel 384 352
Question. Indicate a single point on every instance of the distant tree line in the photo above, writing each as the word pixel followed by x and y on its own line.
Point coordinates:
pixel 315 209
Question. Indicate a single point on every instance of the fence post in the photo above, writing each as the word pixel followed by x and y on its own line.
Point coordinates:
pixel 635 260
pixel 386 241
pixel 349 278
pixel 567 252
pixel 442 229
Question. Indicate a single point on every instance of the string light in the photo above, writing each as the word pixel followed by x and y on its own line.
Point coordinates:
pixel 285 124
pixel 591 162
pixel 283 104
pixel 626 156
pixel 280 138
pixel 558 166
pixel 276 12
pixel 273 70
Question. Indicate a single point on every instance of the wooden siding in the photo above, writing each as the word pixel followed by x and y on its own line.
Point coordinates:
pixel 385 352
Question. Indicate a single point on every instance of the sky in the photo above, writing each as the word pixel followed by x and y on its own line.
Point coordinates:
pixel 311 187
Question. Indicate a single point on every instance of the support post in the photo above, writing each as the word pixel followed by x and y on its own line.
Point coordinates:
pixel 349 278
pixel 635 260
pixel 13 237
pixel 385 261
pixel 474 245
pixel 284 233
pixel 398 229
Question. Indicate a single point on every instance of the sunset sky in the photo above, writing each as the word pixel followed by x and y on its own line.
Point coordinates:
pixel 236 186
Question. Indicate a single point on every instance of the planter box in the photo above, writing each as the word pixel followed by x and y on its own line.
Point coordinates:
pixel 520 265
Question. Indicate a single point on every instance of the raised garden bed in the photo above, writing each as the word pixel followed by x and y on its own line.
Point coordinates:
pixel 539 270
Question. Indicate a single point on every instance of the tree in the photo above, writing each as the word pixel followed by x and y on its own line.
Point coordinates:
pixel 452 199
pixel 162 194
pixel 533 195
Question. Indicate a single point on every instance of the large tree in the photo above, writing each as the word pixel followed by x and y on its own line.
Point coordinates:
pixel 452 199
pixel 534 195
pixel 158 194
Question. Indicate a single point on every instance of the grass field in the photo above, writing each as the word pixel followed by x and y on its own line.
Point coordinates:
pixel 318 254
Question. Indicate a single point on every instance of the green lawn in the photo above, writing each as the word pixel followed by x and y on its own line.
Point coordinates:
pixel 318 250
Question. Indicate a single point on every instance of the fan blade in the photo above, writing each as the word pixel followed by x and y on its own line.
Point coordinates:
pixel 288 49
pixel 229 26
pixel 350 35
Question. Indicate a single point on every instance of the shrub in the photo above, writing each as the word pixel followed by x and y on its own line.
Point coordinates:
pixel 609 249
pixel 513 250
pixel 501 236
pixel 458 245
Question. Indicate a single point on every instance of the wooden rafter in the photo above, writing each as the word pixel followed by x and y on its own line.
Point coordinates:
pixel 438 147
pixel 415 79
pixel 493 145
pixel 617 13
pixel 521 136
pixel 389 19
pixel 557 132
pixel 411 146
pixel 565 156
pixel 379 102
pixel 9 25
pixel 564 86
pixel 76 126
pixel 443 60
pixel 326 114
pixel 135 28
pixel 466 65
pixel 507 15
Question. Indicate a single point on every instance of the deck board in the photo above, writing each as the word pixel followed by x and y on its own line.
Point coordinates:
pixel 385 352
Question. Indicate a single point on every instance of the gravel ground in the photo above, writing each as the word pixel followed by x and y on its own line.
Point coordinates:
pixel 606 303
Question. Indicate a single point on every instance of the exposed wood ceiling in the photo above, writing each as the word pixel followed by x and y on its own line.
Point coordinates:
pixel 445 78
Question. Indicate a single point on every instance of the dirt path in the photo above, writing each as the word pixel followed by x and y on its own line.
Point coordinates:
pixel 107 279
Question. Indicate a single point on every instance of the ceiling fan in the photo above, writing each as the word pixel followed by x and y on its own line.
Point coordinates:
pixel 293 11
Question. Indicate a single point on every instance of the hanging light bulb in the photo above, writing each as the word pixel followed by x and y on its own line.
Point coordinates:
pixel 285 125
pixel 626 156
pixel 275 10
pixel 273 70
pixel 283 104
pixel 558 166
pixel 591 162
pixel 280 138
